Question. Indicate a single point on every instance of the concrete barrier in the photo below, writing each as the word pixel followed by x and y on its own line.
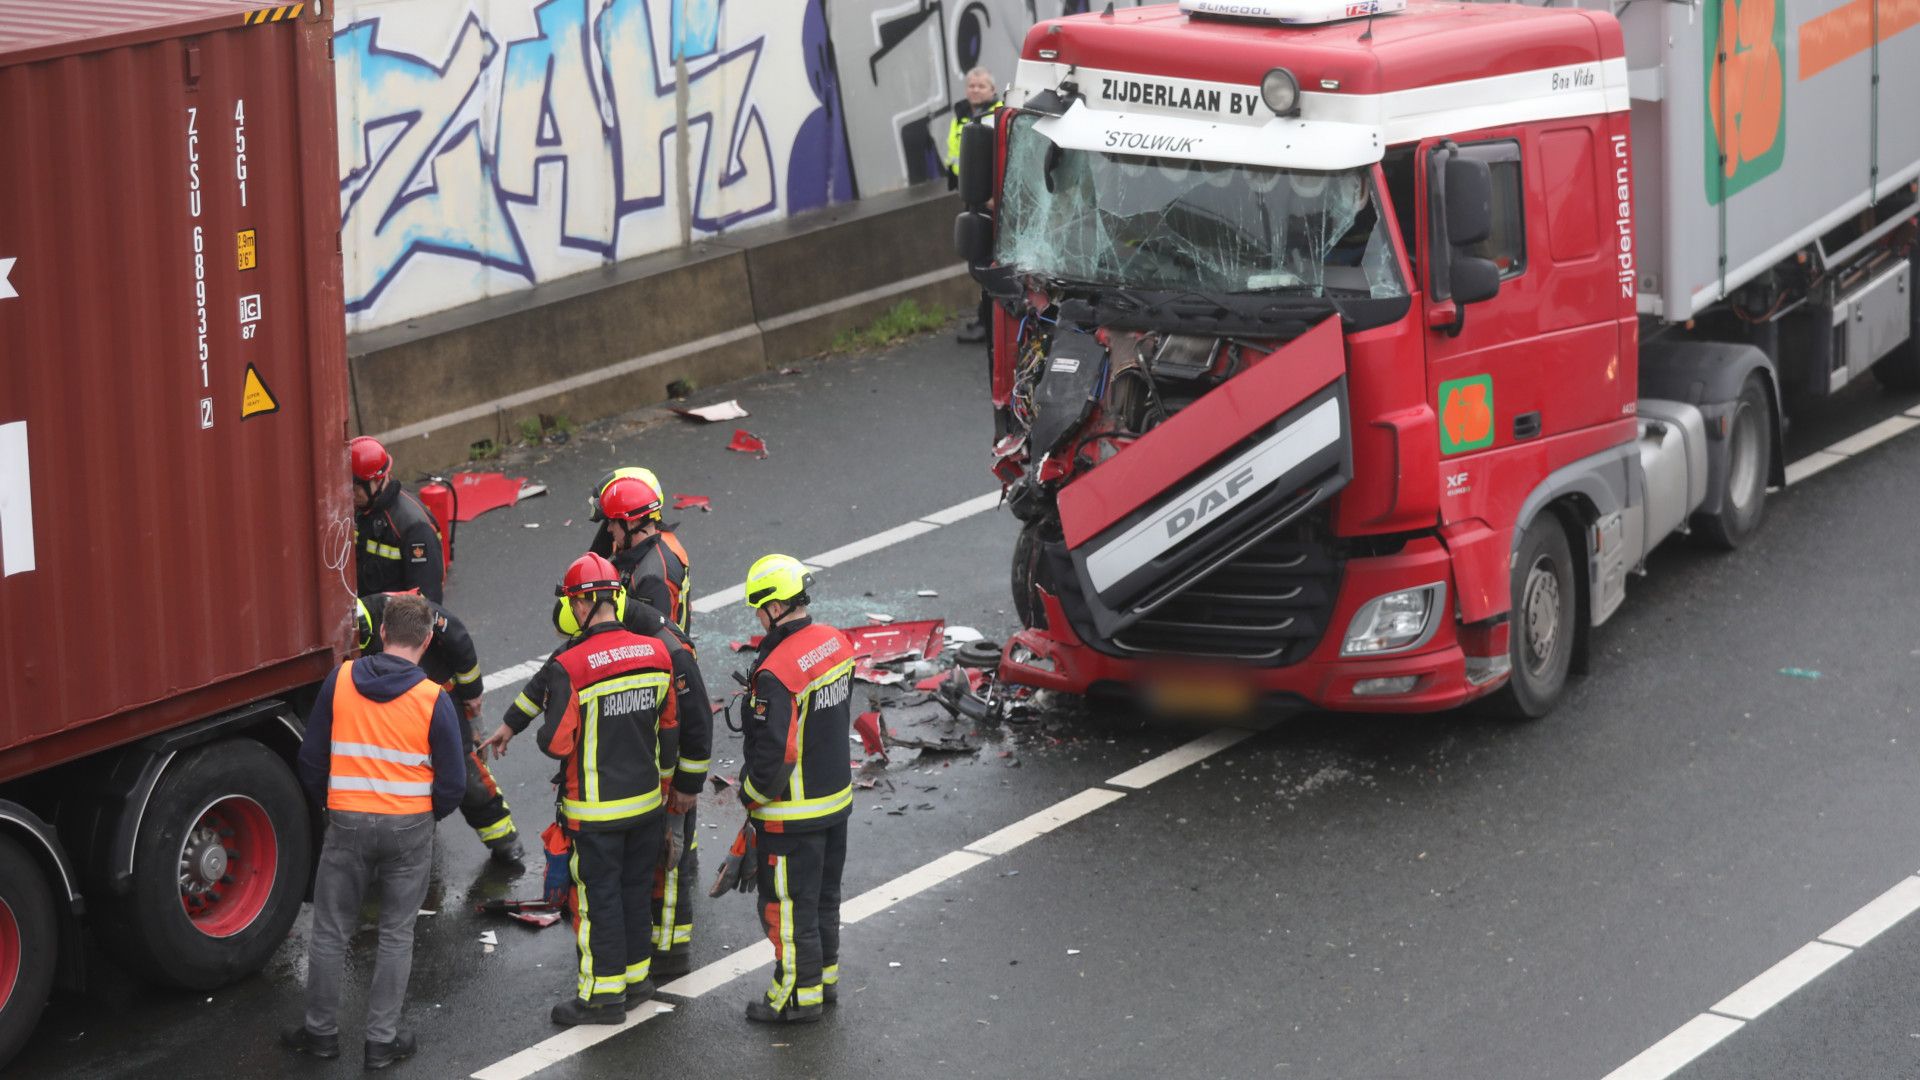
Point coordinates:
pixel 606 342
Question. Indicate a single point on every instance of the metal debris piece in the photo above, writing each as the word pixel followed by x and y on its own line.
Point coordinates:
pixel 725 410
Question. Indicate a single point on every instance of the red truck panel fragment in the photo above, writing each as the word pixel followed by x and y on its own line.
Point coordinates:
pixel 172 369
pixel 1174 451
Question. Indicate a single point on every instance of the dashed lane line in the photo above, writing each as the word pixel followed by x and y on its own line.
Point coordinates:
pixel 1852 446
pixel 1771 987
pixel 721 972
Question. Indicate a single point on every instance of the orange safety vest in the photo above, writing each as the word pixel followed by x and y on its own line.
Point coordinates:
pixel 382 750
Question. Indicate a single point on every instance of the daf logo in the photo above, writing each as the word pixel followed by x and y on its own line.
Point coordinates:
pixel 1212 500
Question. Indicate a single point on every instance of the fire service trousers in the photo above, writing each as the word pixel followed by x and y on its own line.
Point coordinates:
pixel 673 888
pixel 800 910
pixel 613 891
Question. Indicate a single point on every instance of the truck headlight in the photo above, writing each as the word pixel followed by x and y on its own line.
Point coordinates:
pixel 1394 622
pixel 1281 91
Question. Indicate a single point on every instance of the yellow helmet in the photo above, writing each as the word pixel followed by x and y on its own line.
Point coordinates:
pixel 776 577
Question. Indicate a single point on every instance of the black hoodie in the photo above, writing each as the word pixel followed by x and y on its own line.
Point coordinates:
pixel 383 677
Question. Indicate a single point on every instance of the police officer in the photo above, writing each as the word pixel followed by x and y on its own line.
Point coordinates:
pixel 611 719
pixel 395 543
pixel 797 785
pixel 652 563
pixel 982 102
pixel 451 662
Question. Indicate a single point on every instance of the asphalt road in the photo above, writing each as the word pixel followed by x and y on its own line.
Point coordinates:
pixel 1336 897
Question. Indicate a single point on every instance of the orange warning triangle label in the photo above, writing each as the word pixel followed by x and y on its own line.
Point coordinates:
pixel 255 398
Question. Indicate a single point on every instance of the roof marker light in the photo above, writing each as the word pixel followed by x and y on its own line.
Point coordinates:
pixel 1293 12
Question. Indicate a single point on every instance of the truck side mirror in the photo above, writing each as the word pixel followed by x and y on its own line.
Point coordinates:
pixel 1468 198
pixel 1474 279
pixel 976 165
pixel 973 238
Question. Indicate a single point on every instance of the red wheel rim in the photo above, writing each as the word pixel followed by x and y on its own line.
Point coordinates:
pixel 227 866
pixel 9 953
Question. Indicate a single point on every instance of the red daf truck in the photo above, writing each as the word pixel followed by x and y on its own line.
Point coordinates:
pixel 1355 353
pixel 174 520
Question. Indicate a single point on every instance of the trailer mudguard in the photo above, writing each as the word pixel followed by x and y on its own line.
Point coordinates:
pixel 1708 375
pixel 1233 467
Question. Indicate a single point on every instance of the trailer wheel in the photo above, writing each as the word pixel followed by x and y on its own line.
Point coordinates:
pixel 28 943
pixel 219 869
pixel 1541 640
pixel 1743 495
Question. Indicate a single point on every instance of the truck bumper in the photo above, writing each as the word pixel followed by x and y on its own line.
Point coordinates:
pixel 1429 678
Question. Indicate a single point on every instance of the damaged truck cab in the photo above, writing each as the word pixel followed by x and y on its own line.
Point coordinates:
pixel 1332 361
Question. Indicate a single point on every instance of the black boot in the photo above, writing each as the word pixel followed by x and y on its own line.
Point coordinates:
pixel 302 1041
pixel 639 992
pixel 507 849
pixel 574 1011
pixel 830 993
pixel 380 1055
pixel 760 1012
pixel 678 962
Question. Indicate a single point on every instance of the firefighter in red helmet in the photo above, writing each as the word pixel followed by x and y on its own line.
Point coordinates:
pixel 396 546
pixel 653 565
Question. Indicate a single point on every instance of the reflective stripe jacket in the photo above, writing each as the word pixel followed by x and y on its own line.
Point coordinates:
pixel 658 573
pixel 396 546
pixel 797 776
pixel 382 739
pixel 689 690
pixel 450 656
pixel 612 720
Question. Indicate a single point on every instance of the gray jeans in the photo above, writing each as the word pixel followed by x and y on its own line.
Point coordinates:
pixel 392 853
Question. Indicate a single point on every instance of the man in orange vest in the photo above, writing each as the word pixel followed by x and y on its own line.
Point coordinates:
pixel 383 752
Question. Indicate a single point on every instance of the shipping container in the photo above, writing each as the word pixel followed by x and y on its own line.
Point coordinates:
pixel 174 522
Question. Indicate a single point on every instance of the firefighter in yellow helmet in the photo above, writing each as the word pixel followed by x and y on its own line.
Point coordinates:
pixel 797 785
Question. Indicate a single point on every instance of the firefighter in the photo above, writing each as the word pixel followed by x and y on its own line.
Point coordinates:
pixel 611 719
pixel 652 563
pixel 982 102
pixel 797 785
pixel 450 660
pixel 396 544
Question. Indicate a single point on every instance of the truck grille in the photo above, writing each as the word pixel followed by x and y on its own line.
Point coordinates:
pixel 1269 604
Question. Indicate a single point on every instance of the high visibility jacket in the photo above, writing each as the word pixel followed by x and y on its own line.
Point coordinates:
pixel 396 546
pixel 382 759
pixel 612 720
pixel 658 572
pixel 797 776
pixel 689 689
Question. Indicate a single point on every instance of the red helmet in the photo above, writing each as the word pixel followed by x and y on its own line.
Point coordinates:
pixel 630 498
pixel 590 573
pixel 371 462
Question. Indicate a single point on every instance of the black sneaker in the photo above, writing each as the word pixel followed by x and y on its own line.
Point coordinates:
pixel 672 963
pixel 574 1011
pixel 302 1041
pixel 639 993
pixel 762 1013
pixel 507 849
pixel 380 1055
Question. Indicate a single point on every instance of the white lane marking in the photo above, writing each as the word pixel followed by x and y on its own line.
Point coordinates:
pixel 965 510
pixel 1159 768
pixel 1673 1053
pixel 509 676
pixel 706 979
pixel 911 883
pixel 566 1044
pixel 1777 983
pixel 1879 915
pixel 732 594
pixel 1818 461
pixel 1037 825
pixel 1857 443
pixel 871 544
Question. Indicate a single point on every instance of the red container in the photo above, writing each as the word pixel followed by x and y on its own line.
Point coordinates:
pixel 173 508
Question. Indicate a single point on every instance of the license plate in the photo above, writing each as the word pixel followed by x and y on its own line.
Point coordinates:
pixel 1209 697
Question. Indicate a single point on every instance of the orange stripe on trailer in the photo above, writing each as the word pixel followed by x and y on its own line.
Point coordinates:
pixel 1848 30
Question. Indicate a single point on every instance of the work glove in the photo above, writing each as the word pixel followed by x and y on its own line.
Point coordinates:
pixel 676 844
pixel 740 872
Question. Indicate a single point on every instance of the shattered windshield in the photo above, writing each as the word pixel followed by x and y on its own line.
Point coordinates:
pixel 1166 223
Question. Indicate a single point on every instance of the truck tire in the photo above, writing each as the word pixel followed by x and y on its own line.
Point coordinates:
pixel 1026 567
pixel 1743 494
pixel 220 867
pixel 29 942
pixel 1541 638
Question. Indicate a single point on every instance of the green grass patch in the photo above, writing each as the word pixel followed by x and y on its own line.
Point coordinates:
pixel 899 322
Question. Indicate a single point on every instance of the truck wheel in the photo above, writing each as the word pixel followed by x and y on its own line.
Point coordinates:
pixel 1026 568
pixel 1540 642
pixel 220 867
pixel 1749 456
pixel 28 942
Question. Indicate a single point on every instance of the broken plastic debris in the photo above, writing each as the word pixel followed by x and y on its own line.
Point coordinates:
pixel 476 493
pixel 693 502
pixel 725 410
pixel 928 592
pixel 878 618
pixel 1800 673
pixel 528 491
pixel 1073 952
pixel 789 371
pixel 488 937
pixel 890 963
pixel 961 635
pixel 424 911
pixel 536 918
pixel 746 442
pixel 531 525
pixel 868 726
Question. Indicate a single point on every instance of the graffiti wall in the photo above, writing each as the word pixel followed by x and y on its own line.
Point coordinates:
pixel 487 146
